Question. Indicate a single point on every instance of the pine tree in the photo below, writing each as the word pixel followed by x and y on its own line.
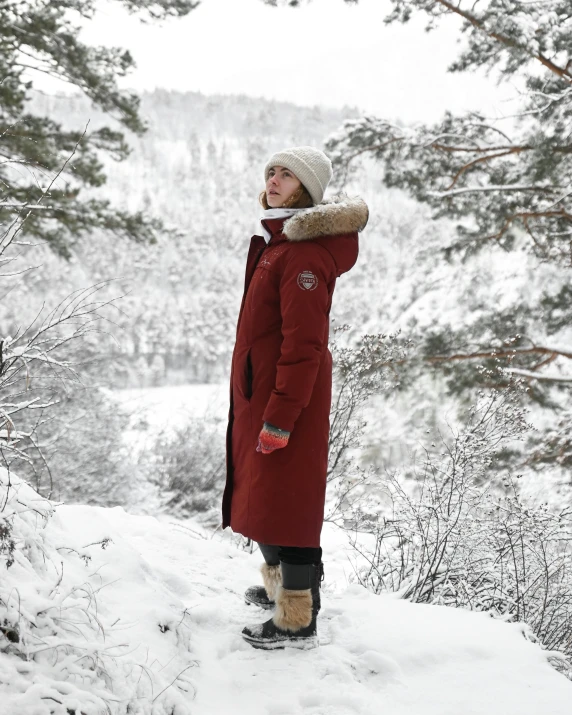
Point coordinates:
pixel 45 166
pixel 501 188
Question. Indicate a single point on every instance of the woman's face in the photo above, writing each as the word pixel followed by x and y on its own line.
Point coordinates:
pixel 280 186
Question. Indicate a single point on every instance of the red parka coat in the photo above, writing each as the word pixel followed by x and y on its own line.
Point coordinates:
pixel 281 373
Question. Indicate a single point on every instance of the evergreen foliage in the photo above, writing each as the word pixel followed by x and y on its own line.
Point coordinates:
pixel 44 166
pixel 507 188
pixel 499 188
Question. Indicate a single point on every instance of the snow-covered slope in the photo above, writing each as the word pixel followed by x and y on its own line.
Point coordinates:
pixel 165 599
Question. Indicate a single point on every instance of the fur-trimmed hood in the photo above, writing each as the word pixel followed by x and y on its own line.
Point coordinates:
pixel 337 215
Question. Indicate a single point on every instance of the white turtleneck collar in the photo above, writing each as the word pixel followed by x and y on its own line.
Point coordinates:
pixel 275 213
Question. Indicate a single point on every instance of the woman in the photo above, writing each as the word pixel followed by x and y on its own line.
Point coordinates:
pixel 281 381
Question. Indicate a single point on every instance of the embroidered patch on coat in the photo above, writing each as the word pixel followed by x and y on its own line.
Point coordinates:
pixel 307 280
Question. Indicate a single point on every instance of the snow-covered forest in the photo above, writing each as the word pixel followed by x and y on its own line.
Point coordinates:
pixel 448 530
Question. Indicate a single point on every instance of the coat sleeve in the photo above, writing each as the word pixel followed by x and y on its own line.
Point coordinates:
pixel 304 307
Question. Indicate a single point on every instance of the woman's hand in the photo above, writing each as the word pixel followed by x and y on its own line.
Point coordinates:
pixel 271 438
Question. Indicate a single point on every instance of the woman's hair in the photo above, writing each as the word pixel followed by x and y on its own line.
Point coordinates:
pixel 300 199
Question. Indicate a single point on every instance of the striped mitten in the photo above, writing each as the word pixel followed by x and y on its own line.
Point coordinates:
pixel 271 438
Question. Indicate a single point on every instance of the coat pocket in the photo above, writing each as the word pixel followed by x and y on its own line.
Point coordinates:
pixel 249 377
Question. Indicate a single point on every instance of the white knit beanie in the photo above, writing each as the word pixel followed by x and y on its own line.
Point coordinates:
pixel 311 166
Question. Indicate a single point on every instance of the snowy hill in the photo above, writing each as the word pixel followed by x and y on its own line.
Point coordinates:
pixel 105 609
pixel 199 169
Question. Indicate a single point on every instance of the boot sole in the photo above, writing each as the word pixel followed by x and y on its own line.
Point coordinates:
pixel 301 643
pixel 264 606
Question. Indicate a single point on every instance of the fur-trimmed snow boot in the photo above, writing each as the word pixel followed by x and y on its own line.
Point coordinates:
pixel 294 623
pixel 265 596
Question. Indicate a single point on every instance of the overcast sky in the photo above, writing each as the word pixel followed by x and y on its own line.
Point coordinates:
pixel 326 53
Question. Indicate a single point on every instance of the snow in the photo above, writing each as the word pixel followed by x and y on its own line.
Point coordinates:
pixel 539 375
pixel 154 409
pixel 88 610
pixel 169 616
pixel 172 405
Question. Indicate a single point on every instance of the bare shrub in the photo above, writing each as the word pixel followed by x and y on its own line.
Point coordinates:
pixel 453 537
pixel 39 373
pixel 187 464
pixel 50 421
pixel 64 647
pixel 81 440
pixel 359 372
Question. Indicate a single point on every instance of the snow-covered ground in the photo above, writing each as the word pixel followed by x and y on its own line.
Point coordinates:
pixel 162 406
pixel 142 615
pixel 376 652
pixel 166 606
pixel 153 409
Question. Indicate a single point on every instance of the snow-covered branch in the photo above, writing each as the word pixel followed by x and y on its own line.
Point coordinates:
pixel 491 187
pixel 502 353
pixel 538 375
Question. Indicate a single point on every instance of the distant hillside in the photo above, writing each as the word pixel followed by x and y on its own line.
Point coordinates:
pixel 199 167
pixel 194 144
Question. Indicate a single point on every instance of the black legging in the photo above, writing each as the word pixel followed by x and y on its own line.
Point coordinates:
pixel 295 555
